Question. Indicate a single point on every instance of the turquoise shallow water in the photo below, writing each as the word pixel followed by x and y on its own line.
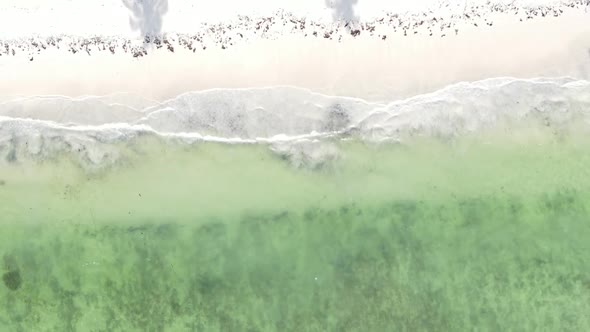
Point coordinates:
pixel 486 233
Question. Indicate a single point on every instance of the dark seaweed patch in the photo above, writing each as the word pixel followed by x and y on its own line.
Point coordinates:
pixel 11 156
pixel 12 280
pixel 337 118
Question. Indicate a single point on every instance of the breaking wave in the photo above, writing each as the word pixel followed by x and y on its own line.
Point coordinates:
pixel 294 122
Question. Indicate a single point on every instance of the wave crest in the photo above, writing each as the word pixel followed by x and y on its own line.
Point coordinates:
pixel 283 117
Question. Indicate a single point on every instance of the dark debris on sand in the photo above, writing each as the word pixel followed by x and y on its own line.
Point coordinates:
pixel 225 35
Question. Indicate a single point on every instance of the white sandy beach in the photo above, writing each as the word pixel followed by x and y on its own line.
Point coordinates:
pixel 369 68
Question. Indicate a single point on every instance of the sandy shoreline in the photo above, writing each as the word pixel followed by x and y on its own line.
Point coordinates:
pixel 369 68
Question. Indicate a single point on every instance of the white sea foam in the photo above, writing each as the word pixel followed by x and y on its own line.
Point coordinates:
pixel 296 123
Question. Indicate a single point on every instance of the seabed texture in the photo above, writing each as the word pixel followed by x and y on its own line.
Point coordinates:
pixel 483 232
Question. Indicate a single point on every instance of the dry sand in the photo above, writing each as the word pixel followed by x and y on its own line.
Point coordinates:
pixel 365 67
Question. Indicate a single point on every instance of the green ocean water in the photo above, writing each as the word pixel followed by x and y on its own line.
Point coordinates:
pixel 486 233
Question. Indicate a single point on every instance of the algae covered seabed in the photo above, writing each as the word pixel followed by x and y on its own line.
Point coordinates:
pixel 487 233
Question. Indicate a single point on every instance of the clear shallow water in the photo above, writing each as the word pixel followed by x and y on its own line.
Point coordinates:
pixel 487 231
